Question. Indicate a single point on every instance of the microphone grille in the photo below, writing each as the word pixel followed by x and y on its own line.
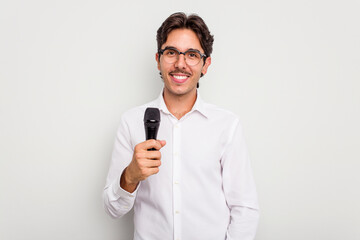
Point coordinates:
pixel 152 114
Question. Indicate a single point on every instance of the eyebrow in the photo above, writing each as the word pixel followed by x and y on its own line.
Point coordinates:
pixel 171 47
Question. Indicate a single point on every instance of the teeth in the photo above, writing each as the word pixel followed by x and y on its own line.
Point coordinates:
pixel 179 77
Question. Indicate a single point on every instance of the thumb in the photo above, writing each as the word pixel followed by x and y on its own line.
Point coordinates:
pixel 162 142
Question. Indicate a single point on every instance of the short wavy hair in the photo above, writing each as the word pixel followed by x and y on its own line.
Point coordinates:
pixel 193 22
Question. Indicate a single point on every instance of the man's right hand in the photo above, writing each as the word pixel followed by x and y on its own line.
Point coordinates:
pixel 143 164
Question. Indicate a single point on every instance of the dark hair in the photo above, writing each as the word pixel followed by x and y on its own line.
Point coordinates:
pixel 192 22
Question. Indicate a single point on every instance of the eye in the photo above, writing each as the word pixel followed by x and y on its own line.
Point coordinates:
pixel 193 55
pixel 170 52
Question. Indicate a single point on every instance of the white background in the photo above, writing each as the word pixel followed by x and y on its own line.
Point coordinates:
pixel 68 69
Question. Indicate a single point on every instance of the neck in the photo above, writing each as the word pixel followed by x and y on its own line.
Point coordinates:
pixel 179 105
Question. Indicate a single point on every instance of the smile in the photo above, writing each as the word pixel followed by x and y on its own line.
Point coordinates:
pixel 179 78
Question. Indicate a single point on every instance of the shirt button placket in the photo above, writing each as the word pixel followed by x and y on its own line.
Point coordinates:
pixel 177 180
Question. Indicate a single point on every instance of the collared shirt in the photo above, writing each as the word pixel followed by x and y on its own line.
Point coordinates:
pixel 205 188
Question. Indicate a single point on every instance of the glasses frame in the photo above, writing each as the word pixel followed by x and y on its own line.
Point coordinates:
pixel 161 52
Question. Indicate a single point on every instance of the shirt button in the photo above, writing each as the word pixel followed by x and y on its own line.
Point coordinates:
pixel 176 126
pixel 176 182
pixel 177 212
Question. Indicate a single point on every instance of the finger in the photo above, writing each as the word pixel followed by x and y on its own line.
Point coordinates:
pixel 144 146
pixel 138 155
pixel 153 171
pixel 151 163
pixel 153 155
pixel 151 143
pixel 162 142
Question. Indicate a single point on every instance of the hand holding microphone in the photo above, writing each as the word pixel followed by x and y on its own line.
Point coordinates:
pixel 147 157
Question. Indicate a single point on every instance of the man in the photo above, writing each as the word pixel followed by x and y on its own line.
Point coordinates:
pixel 198 184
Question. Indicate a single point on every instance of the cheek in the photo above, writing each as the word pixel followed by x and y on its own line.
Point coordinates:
pixel 197 71
pixel 162 66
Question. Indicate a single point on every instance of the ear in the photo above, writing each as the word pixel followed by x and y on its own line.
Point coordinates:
pixel 206 65
pixel 157 58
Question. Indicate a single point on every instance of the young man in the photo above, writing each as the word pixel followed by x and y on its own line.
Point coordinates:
pixel 198 184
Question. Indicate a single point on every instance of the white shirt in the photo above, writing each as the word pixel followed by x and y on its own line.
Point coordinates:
pixel 204 189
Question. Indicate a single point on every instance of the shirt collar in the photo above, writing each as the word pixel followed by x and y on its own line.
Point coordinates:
pixel 199 105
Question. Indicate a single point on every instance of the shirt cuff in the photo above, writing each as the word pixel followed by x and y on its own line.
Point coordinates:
pixel 120 192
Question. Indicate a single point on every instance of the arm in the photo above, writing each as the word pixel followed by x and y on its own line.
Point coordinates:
pixel 239 188
pixel 117 201
pixel 124 175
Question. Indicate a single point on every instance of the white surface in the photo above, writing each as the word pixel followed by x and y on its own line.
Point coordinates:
pixel 68 69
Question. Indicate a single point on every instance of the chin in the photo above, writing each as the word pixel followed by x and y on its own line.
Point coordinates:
pixel 180 90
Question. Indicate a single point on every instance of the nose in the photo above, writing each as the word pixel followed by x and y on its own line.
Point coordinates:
pixel 181 63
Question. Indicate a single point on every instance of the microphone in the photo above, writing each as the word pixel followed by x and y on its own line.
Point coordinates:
pixel 151 123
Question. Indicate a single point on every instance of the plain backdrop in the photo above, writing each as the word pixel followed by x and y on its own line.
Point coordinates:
pixel 68 69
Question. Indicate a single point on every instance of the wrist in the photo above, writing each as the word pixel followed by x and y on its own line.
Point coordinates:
pixel 126 182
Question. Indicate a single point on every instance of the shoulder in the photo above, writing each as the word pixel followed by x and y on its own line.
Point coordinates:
pixel 221 114
pixel 132 122
pixel 227 124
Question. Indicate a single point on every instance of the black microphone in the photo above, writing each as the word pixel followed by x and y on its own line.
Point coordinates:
pixel 151 123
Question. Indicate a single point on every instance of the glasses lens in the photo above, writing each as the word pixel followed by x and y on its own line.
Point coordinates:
pixel 192 58
pixel 170 55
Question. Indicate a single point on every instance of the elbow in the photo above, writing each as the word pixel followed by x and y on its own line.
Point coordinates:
pixel 110 208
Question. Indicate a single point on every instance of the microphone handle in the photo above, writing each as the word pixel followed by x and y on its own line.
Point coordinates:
pixel 151 130
pixel 151 134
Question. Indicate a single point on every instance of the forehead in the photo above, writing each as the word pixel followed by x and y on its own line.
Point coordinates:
pixel 183 39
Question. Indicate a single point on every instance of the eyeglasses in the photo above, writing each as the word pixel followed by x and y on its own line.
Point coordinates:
pixel 192 56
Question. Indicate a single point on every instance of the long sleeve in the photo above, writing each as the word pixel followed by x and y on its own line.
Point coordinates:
pixel 239 188
pixel 117 201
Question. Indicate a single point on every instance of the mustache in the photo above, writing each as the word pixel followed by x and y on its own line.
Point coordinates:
pixel 179 71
